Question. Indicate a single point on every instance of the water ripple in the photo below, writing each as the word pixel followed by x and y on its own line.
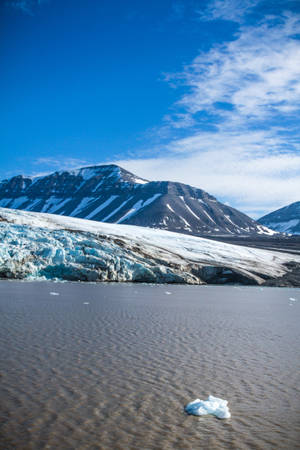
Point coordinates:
pixel 115 373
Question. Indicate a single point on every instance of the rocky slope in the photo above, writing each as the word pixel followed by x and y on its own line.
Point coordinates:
pixel 110 194
pixel 35 245
pixel 284 220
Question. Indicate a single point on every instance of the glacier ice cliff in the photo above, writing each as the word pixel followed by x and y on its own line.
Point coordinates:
pixel 38 245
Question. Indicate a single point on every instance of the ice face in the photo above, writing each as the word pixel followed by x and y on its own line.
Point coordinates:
pixel 40 253
pixel 51 246
pixel 212 405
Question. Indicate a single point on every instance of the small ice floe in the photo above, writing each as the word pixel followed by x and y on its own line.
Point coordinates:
pixel 292 299
pixel 168 293
pixel 212 405
pixel 86 303
pixel 54 293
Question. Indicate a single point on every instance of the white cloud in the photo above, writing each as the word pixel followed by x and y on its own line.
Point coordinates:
pixel 249 91
pixel 258 74
pixel 233 10
pixel 254 183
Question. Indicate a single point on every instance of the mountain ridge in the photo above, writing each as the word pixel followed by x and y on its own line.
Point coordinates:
pixel 109 193
pixel 284 220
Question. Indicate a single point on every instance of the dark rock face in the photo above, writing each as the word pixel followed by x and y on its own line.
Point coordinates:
pixel 289 279
pixel 285 220
pixel 109 193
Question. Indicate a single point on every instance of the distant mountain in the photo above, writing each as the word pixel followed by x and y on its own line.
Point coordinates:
pixel 285 220
pixel 108 193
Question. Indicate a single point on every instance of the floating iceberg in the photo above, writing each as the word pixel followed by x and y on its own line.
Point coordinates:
pixel 212 405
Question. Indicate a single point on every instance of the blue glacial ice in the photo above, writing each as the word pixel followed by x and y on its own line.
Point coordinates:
pixel 41 253
pixel 46 246
pixel 212 405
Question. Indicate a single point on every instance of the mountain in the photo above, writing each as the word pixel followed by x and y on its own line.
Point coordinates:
pixel 284 220
pixel 48 246
pixel 108 193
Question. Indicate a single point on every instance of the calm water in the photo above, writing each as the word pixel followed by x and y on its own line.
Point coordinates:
pixel 115 373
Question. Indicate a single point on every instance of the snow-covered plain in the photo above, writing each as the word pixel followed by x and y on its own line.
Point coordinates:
pixel 37 245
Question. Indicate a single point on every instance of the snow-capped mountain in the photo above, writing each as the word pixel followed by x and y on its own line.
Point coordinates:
pixel 284 220
pixel 37 245
pixel 108 193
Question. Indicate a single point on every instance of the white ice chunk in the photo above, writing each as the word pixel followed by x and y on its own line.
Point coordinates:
pixel 212 405
pixel 54 293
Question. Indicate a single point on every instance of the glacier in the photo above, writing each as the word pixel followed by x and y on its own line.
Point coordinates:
pixel 213 405
pixel 47 246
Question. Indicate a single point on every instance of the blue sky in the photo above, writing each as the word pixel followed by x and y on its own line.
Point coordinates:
pixel 198 91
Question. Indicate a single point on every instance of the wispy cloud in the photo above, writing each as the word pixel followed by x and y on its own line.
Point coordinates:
pixel 26 6
pixel 240 117
pixel 233 10
pixel 254 78
pixel 60 163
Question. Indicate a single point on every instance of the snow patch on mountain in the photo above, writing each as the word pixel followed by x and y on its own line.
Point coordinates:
pixel 136 207
pixel 89 172
pixel 284 220
pixel 102 206
pixel 116 210
pixel 140 181
pixel 285 227
pixel 19 202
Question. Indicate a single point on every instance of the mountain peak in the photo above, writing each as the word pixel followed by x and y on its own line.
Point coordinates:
pixel 109 193
pixel 112 171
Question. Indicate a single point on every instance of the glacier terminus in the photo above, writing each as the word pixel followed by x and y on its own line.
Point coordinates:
pixel 48 246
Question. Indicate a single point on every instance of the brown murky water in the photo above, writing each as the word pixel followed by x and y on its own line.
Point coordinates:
pixel 111 366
